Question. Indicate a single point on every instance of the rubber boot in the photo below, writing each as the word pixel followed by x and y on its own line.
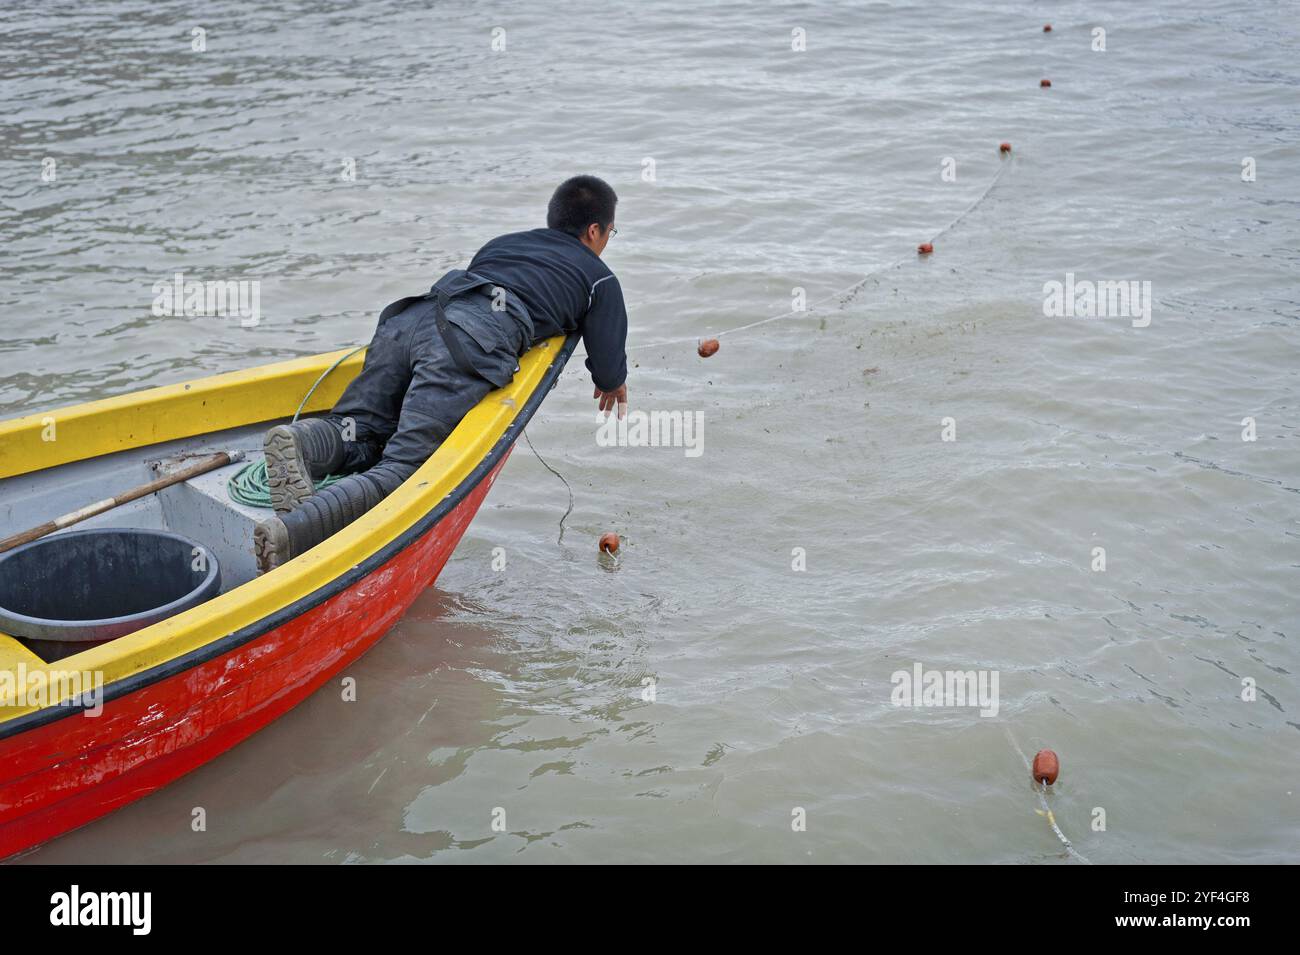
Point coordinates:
pixel 297 456
pixel 278 540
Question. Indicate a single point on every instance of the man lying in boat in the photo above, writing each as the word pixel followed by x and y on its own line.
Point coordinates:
pixel 433 358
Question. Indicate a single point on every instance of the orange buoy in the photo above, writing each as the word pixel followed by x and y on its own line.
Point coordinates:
pixel 708 347
pixel 1044 83
pixel 1047 28
pixel 925 248
pixel 1004 147
pixel 1046 767
pixel 609 543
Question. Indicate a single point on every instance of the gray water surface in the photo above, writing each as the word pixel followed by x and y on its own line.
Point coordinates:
pixel 522 690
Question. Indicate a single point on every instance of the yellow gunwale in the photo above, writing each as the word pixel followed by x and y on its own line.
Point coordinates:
pixel 232 400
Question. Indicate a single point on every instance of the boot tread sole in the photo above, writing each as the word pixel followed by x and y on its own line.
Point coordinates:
pixel 270 545
pixel 286 474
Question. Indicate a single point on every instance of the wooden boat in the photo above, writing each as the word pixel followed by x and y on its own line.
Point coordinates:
pixel 181 691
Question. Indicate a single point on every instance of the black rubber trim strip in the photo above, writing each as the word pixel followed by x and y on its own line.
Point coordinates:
pixel 210 651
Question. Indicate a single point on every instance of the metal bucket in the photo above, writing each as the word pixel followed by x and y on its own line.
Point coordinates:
pixel 69 591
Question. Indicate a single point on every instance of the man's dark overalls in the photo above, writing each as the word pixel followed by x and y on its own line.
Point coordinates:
pixel 432 359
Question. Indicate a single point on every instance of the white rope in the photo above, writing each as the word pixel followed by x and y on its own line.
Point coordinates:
pixel 808 309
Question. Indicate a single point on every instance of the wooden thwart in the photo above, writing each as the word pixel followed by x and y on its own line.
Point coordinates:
pixel 202 466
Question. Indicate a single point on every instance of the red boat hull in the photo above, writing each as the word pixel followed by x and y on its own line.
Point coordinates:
pixel 64 774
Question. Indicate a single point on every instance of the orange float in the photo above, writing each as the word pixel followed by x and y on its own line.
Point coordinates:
pixel 1044 83
pixel 925 248
pixel 1046 767
pixel 1004 147
pixel 708 347
pixel 609 543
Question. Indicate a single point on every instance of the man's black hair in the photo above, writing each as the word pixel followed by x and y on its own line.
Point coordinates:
pixel 578 203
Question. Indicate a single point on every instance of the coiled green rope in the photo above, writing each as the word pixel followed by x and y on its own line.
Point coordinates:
pixel 249 485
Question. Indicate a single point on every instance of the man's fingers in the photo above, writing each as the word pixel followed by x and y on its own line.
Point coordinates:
pixel 611 399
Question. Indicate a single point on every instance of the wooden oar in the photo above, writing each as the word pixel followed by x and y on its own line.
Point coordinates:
pixel 203 466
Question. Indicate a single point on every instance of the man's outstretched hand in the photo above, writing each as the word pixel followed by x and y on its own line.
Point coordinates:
pixel 608 399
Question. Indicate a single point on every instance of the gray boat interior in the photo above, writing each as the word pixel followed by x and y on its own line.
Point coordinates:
pixel 199 508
